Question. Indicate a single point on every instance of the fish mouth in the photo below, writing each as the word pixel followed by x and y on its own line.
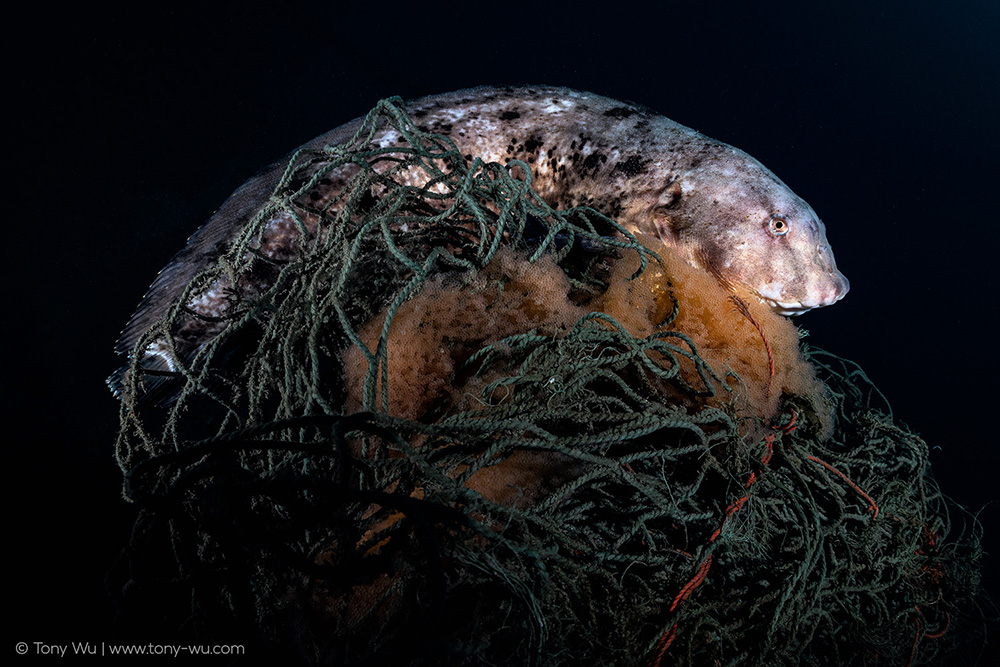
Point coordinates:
pixel 793 308
pixel 816 296
pixel 788 308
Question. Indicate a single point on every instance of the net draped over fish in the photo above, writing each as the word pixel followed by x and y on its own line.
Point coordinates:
pixel 431 435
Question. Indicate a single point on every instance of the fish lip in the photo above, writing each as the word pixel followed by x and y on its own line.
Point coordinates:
pixel 789 308
pixel 793 308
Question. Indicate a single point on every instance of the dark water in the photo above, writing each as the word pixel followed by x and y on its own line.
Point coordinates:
pixel 136 126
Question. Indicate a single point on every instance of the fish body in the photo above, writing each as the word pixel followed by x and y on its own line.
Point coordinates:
pixel 721 209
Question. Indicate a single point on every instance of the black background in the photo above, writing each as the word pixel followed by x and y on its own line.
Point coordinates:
pixel 131 126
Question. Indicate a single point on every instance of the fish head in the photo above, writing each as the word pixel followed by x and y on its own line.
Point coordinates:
pixel 731 216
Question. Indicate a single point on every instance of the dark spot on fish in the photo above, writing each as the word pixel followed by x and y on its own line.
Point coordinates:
pixel 419 113
pixel 619 112
pixel 633 165
pixel 325 181
pixel 533 144
pixel 443 128
pixel 594 160
pixel 509 115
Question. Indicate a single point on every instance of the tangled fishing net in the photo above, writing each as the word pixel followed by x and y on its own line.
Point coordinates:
pixel 457 427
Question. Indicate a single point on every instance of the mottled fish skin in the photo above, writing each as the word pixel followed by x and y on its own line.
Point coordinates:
pixel 720 208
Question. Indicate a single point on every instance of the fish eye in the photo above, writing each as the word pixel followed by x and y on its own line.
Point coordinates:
pixel 778 225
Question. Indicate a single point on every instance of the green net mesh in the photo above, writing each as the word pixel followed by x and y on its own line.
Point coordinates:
pixel 638 525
